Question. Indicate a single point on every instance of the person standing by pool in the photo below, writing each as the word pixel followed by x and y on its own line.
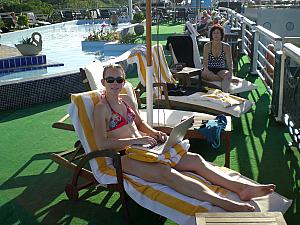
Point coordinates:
pixel 114 19
pixel 117 125
pixel 14 20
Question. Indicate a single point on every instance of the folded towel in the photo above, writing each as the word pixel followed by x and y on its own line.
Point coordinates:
pixel 170 157
pixel 218 97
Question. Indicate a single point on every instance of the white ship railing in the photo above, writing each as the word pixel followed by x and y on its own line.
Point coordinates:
pixel 279 69
pixel 262 39
pixel 235 18
pixel 248 27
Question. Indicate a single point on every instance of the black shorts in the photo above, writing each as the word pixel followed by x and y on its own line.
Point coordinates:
pixel 216 70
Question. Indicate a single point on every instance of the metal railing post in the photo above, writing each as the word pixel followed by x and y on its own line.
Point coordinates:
pixel 278 45
pixel 235 19
pixel 276 83
pixel 243 34
pixel 281 84
pixel 254 52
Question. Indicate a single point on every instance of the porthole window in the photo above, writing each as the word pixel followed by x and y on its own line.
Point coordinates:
pixel 267 25
pixel 289 26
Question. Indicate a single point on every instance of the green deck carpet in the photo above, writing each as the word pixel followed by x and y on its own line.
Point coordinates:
pixel 32 186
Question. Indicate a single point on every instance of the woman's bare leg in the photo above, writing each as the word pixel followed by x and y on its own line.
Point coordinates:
pixel 163 174
pixel 210 76
pixel 226 80
pixel 194 162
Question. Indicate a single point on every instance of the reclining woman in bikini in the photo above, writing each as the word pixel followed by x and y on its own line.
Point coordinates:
pixel 119 125
pixel 217 59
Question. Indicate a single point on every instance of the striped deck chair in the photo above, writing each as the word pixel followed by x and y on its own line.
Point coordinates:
pixel 156 197
pixel 138 57
pixel 191 57
pixel 196 102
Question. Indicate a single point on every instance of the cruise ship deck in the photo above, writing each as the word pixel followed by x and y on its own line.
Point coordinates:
pixel 32 185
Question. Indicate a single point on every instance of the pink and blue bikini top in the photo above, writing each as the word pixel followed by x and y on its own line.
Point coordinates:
pixel 117 120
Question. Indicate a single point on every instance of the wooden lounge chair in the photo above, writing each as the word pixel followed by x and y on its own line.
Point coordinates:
pixel 105 169
pixel 190 56
pixel 163 119
pixel 196 102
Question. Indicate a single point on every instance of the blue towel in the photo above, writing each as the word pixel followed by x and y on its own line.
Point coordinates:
pixel 212 130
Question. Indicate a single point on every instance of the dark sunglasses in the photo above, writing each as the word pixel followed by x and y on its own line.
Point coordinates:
pixel 111 80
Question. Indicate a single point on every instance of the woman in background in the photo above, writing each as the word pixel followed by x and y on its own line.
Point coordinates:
pixel 114 19
pixel 217 59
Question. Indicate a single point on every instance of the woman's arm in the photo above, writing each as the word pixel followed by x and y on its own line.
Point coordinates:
pixel 205 56
pixel 143 126
pixel 157 135
pixel 103 142
pixel 228 56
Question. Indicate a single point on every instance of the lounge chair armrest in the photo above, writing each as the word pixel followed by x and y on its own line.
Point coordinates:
pixel 164 87
pixel 139 90
pixel 116 156
pixel 185 77
pixel 61 124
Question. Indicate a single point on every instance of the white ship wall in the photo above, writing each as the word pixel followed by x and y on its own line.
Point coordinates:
pixel 284 22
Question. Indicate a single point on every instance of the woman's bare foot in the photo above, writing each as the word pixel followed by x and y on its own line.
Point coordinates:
pixel 253 191
pixel 233 206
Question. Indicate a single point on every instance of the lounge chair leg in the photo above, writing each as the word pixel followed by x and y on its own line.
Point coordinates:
pixel 125 207
pixel 227 149
pixel 78 148
pixel 71 192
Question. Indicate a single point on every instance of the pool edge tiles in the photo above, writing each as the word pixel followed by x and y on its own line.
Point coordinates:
pixel 4 72
pixel 25 93
pixel 21 61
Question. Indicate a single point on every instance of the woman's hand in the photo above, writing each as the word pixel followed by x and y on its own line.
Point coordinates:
pixel 159 136
pixel 145 140
pixel 225 75
pixel 228 75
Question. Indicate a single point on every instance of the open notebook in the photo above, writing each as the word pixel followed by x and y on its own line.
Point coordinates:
pixel 177 134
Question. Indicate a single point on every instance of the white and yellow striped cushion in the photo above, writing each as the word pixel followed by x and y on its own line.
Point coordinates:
pixel 161 67
pixel 128 90
pixel 140 60
pixel 156 197
pixel 161 71
pixel 94 74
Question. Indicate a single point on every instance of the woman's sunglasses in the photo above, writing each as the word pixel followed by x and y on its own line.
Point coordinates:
pixel 111 80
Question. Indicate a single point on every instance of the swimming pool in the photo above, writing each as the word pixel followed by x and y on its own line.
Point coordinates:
pixel 61 43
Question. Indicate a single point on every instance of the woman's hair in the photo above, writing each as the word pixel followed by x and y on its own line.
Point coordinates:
pixel 216 27
pixel 113 66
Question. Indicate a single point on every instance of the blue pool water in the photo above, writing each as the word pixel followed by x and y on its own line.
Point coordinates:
pixel 61 43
